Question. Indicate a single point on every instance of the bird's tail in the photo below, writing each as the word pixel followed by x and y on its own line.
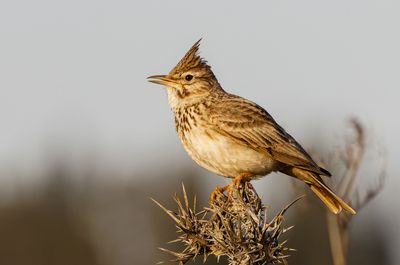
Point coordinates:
pixel 334 203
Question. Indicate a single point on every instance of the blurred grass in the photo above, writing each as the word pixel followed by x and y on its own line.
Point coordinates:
pixel 63 222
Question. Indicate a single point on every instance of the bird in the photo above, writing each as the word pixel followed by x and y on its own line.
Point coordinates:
pixel 232 136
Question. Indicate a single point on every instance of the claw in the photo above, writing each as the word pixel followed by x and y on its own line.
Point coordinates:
pixel 230 192
pixel 216 192
pixel 241 179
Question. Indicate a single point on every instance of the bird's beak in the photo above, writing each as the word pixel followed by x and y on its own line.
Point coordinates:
pixel 161 80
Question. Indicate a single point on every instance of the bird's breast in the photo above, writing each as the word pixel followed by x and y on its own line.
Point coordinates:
pixel 223 155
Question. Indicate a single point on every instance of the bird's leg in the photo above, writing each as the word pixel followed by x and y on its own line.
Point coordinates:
pixel 237 181
pixel 216 192
pixel 242 178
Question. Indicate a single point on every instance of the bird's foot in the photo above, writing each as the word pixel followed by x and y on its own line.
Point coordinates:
pixel 235 185
pixel 241 179
pixel 218 192
pixel 237 181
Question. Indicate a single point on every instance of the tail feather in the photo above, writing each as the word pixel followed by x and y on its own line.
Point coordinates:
pixel 327 196
pixel 331 204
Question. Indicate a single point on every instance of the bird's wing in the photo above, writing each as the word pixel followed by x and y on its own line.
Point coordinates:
pixel 251 125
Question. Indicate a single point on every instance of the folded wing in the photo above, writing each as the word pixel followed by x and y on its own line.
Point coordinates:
pixel 251 125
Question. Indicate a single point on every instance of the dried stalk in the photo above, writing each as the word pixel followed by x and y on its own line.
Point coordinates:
pixel 237 228
pixel 351 157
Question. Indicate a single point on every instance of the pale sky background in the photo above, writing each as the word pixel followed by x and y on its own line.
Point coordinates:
pixel 73 78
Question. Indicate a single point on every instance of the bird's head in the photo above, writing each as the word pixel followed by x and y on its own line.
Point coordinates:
pixel 189 81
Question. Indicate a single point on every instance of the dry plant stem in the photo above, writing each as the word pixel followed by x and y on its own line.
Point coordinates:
pixel 338 240
pixel 351 157
pixel 237 228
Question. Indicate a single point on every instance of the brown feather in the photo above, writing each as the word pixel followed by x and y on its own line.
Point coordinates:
pixel 327 196
pixel 251 125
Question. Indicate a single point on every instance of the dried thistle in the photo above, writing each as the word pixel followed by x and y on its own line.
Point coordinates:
pixel 237 228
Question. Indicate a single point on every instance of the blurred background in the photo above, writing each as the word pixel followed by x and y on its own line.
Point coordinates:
pixel 86 141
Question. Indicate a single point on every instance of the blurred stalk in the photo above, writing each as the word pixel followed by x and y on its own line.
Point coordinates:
pixel 338 240
pixel 351 156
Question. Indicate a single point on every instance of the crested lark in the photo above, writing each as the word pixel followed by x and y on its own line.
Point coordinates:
pixel 232 136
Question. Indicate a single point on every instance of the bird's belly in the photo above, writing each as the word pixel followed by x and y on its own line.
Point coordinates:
pixel 224 156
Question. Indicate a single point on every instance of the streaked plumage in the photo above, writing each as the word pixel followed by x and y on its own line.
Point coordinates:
pixel 232 136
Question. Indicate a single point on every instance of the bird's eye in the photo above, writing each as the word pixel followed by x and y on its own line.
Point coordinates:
pixel 188 77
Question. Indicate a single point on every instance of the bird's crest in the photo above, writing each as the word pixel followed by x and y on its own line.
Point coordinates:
pixel 191 60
